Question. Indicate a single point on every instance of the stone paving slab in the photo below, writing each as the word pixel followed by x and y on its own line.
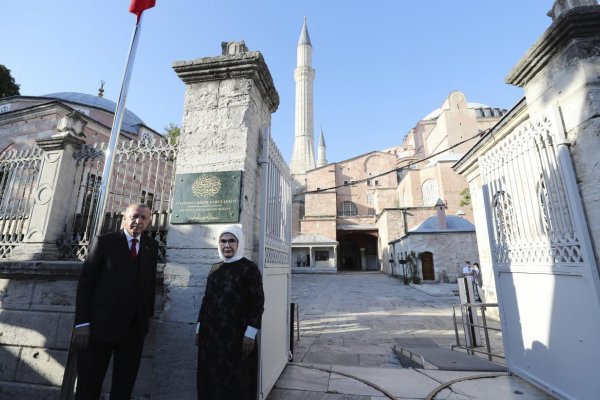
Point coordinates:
pixel 349 324
pixel 284 394
pixel 445 359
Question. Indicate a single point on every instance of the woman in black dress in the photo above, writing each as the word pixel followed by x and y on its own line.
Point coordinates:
pixel 229 318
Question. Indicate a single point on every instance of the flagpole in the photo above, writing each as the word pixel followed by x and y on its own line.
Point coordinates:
pixel 109 155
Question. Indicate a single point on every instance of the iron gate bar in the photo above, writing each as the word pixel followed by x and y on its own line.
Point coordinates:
pixel 484 326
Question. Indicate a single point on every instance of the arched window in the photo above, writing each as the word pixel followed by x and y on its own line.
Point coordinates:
pixel 431 192
pixel 347 209
pixel 504 216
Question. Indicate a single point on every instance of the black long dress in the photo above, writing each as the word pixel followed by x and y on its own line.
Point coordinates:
pixel 233 300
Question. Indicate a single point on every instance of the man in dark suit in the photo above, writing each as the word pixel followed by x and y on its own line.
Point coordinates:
pixel 115 300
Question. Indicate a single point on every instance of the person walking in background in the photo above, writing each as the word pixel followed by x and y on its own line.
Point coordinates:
pixel 468 271
pixel 114 303
pixel 230 316
pixel 477 282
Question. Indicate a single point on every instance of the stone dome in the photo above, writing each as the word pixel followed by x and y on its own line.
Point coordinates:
pixel 456 224
pixel 131 122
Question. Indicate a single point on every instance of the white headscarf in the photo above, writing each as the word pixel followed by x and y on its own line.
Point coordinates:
pixel 239 235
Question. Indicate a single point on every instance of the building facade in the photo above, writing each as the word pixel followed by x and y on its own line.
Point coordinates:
pixel 367 204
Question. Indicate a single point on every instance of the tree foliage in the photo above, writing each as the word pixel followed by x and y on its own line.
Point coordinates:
pixel 8 87
pixel 465 197
pixel 412 261
pixel 172 132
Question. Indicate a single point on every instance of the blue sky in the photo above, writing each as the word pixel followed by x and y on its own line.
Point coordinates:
pixel 381 65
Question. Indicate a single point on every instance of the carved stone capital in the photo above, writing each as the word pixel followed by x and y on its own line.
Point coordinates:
pixel 73 123
pixel 576 23
pixel 59 141
pixel 248 65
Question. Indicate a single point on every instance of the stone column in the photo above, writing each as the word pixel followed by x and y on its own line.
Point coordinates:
pixel 335 256
pixel 228 102
pixel 363 259
pixel 53 192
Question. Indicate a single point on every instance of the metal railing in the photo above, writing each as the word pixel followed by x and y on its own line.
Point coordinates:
pixel 143 172
pixel 19 173
pixel 467 309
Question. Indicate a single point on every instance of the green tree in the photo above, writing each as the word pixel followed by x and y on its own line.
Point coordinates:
pixel 8 87
pixel 412 260
pixel 172 132
pixel 465 197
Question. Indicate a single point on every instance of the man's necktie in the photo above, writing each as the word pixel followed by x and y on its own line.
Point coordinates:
pixel 133 250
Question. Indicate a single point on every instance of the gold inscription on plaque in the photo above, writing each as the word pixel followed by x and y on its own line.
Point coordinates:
pixel 206 186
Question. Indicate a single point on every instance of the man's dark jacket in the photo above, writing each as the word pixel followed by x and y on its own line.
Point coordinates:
pixel 115 291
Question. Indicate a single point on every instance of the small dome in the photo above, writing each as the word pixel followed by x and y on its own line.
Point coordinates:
pixel 454 224
pixel 131 122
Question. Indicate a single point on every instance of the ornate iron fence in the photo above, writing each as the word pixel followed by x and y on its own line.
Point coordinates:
pixel 143 172
pixel 532 218
pixel 19 173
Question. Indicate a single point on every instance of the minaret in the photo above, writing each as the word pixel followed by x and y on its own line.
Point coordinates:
pixel 322 153
pixel 303 155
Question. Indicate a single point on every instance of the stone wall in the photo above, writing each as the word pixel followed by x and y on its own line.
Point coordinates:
pixel 450 250
pixel 37 305
pixel 320 226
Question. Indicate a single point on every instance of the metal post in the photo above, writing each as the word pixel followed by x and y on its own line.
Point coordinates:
pixel 114 133
pixel 264 163
pixel 262 239
pixel 298 320
pixel 485 332
pixel 292 312
pixel 455 325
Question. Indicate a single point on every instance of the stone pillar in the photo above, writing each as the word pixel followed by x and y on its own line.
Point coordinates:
pixel 228 102
pixel 335 256
pixel 363 259
pixel 53 192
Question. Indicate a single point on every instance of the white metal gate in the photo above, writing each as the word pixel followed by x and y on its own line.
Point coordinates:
pixel 546 277
pixel 275 264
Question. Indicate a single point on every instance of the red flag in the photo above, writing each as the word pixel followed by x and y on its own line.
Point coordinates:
pixel 138 6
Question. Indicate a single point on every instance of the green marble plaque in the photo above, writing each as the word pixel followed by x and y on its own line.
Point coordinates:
pixel 207 198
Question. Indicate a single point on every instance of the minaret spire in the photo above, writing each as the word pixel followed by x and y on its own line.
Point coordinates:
pixel 322 153
pixel 303 155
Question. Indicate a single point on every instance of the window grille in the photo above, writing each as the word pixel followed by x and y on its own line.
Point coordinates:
pixel 371 198
pixel 431 192
pixel 347 209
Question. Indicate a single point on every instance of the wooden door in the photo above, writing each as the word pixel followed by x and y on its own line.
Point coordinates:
pixel 427 266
